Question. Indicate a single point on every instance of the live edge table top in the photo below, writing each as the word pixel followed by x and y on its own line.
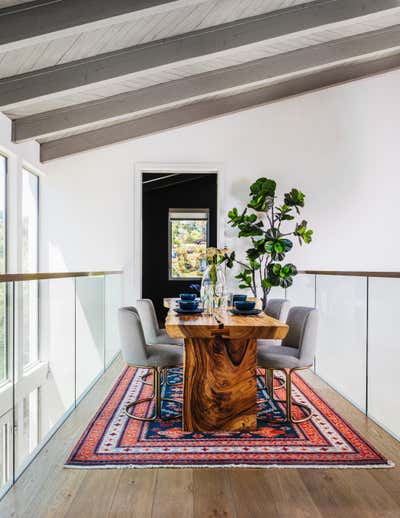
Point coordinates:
pixel 224 323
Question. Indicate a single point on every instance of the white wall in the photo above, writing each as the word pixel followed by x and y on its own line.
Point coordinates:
pixel 340 146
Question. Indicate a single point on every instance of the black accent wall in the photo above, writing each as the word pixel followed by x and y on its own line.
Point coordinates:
pixel 183 191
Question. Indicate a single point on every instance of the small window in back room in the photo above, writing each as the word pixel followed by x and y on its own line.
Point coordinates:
pixel 188 240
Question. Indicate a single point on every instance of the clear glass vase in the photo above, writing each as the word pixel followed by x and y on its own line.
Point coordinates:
pixel 212 288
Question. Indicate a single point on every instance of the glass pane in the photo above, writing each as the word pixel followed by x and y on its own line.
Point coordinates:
pixel 6 401
pixel 89 331
pixel 302 291
pixel 3 299
pixel 3 333
pixel 30 291
pixel 113 300
pixel 384 353
pixel 342 305
pixel 57 348
pixel 188 236
pixel 30 198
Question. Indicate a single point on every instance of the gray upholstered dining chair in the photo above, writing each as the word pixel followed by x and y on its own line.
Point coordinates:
pixel 279 309
pixel 152 331
pixel 296 353
pixel 155 357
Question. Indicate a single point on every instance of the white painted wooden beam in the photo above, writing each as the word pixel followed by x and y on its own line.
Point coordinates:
pixel 42 20
pixel 188 47
pixel 301 60
pixel 208 109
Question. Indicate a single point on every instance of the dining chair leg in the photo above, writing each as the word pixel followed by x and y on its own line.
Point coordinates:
pixel 164 373
pixel 263 380
pixel 282 382
pixel 288 401
pixel 152 370
pixel 156 396
pixel 157 388
pixel 166 380
pixel 144 378
pixel 269 382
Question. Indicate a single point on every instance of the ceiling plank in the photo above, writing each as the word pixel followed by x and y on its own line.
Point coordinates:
pixel 45 123
pixel 41 20
pixel 209 109
pixel 187 47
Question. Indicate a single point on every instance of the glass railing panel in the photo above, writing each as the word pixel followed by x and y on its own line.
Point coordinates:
pixel 341 352
pixel 57 351
pixel 28 329
pixel 6 385
pixel 384 353
pixel 29 372
pixel 3 332
pixel 276 293
pixel 113 300
pixel 302 291
pixel 89 331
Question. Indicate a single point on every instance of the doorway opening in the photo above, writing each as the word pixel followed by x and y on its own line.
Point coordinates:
pixel 179 221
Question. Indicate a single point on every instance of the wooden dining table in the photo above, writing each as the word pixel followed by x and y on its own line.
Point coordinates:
pixel 220 365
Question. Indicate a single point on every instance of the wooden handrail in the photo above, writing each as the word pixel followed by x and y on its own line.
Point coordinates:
pixel 352 273
pixel 10 277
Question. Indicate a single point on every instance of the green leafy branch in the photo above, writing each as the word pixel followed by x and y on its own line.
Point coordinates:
pixel 263 267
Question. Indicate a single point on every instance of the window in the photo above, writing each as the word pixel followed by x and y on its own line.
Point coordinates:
pixel 30 289
pixel 3 286
pixel 188 240
pixel 30 221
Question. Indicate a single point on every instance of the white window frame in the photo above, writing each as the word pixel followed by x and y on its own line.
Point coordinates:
pixel 22 369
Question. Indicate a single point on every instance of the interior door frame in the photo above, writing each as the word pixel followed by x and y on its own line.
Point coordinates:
pixel 168 167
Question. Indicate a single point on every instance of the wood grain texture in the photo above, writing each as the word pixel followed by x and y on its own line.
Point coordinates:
pixel 225 324
pixel 220 389
pixel 220 367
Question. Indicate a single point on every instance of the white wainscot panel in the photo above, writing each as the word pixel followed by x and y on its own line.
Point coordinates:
pixel 384 353
pixel 302 291
pixel 341 350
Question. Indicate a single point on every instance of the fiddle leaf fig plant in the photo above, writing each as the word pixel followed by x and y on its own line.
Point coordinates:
pixel 264 265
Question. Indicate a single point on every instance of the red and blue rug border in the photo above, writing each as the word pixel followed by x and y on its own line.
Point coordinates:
pixel 372 457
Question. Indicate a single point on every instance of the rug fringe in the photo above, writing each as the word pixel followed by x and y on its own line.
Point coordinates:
pixel 389 464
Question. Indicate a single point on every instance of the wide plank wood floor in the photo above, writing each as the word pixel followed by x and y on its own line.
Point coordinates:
pixel 46 489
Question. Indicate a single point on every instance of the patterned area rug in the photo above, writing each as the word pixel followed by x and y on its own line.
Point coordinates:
pixel 112 440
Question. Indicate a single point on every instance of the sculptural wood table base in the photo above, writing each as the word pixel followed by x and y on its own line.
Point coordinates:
pixel 220 384
pixel 220 392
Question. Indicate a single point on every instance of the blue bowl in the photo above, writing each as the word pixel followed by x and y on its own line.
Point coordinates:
pixel 188 304
pixel 239 298
pixel 187 296
pixel 245 305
